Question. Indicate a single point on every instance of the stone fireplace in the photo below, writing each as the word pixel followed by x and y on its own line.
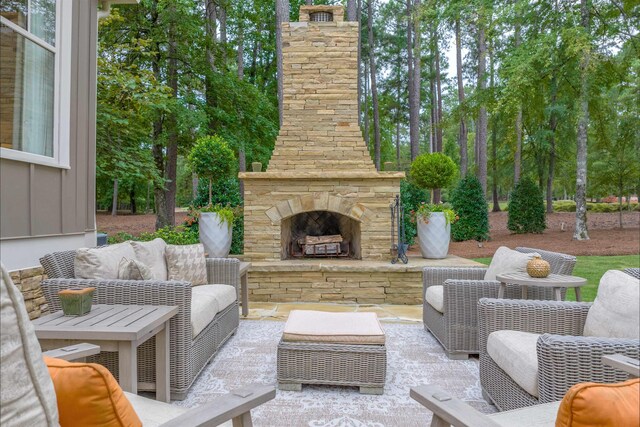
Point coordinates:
pixel 320 181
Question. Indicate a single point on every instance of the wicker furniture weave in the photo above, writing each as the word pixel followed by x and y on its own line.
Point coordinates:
pixel 634 272
pixel 189 354
pixel 565 357
pixel 363 366
pixel 457 327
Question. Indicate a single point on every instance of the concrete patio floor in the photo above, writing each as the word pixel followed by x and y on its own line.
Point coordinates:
pixel 386 312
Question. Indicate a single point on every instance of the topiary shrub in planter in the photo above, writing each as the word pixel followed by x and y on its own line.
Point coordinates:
pixel 469 202
pixel 411 196
pixel 526 208
pixel 432 171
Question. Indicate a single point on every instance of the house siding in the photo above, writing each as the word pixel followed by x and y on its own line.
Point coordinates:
pixel 40 205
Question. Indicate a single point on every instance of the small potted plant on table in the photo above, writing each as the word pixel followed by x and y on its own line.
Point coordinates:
pixel 434 171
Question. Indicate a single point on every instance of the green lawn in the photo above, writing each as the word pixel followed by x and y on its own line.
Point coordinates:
pixel 592 268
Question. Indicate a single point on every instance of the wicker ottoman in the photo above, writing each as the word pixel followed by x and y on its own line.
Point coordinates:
pixel 332 348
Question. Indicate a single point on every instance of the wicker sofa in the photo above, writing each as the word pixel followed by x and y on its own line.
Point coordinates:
pixel 532 352
pixel 456 324
pixel 189 353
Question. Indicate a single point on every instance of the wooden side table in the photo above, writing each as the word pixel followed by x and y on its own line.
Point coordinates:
pixel 121 328
pixel 555 281
pixel 244 286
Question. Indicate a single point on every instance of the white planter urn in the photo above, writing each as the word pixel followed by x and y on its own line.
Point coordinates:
pixel 434 236
pixel 215 235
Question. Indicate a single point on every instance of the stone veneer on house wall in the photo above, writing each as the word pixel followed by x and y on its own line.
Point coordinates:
pixel 320 160
pixel 28 282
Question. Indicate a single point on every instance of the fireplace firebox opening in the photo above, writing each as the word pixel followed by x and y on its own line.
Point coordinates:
pixel 318 234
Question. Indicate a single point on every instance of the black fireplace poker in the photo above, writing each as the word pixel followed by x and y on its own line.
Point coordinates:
pixel 398 247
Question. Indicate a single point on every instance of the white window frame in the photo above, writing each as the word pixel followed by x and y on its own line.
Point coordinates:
pixel 62 90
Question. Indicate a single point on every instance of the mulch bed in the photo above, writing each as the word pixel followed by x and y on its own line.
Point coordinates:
pixel 605 236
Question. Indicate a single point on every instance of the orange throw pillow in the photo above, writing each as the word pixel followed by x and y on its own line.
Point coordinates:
pixel 88 396
pixel 602 405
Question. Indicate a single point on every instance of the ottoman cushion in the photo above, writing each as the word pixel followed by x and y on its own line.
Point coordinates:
pixel 333 328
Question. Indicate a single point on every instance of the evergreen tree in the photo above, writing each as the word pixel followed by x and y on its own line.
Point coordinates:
pixel 469 203
pixel 526 208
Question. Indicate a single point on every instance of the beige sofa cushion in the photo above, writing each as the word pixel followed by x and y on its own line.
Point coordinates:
pixel 506 260
pixel 101 263
pixel 27 397
pixel 131 269
pixel 515 352
pixel 187 263
pixel 615 311
pixel 152 254
pixel 434 295
pixel 333 328
pixel 206 302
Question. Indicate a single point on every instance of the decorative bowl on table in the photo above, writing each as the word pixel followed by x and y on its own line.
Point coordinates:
pixel 537 267
pixel 76 302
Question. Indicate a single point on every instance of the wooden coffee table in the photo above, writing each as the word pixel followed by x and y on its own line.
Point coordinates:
pixel 121 328
pixel 555 281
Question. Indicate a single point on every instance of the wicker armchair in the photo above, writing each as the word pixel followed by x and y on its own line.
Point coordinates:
pixel 456 327
pixel 564 356
pixel 189 354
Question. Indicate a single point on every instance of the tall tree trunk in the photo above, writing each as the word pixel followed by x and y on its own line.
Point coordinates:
pixel 494 144
pixel 211 30
pixel 553 124
pixel 438 93
pixel 282 15
pixel 171 168
pixel 433 114
pixel 132 200
pixel 309 2
pixel 148 199
pixel 462 130
pixel 413 59
pixel 114 200
pixel 581 232
pixel 360 82
pixel 352 10
pixel 481 159
pixel 374 91
pixel 222 16
pixel 366 103
pixel 254 62
pixel 398 91
pixel 240 53
pixel 194 185
pixel 242 156
pixel 517 158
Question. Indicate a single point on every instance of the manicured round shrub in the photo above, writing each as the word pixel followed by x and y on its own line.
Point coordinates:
pixel 526 208
pixel 469 202
pixel 211 159
pixel 433 171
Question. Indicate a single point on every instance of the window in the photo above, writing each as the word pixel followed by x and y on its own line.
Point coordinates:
pixel 30 86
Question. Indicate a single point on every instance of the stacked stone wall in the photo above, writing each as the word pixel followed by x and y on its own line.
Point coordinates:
pixel 363 287
pixel 28 282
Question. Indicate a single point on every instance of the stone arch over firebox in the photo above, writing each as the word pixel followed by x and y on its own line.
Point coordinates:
pixel 341 215
pixel 320 201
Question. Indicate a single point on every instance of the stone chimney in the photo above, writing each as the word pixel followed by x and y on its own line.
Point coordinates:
pixel 320 128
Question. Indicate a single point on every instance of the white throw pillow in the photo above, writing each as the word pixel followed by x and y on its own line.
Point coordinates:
pixel 27 397
pixel 101 263
pixel 152 255
pixel 131 269
pixel 506 260
pixel 615 311
pixel 186 263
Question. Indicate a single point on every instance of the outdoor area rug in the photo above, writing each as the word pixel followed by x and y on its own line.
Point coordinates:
pixel 414 357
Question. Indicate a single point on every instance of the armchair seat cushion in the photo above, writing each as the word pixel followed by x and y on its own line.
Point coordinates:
pixel 434 295
pixel 616 310
pixel 515 352
pixel 206 302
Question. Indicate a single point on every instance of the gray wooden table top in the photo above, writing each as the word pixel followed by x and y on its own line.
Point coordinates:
pixel 244 266
pixel 552 280
pixel 105 322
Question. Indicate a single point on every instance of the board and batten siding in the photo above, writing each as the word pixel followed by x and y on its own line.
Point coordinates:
pixel 45 209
